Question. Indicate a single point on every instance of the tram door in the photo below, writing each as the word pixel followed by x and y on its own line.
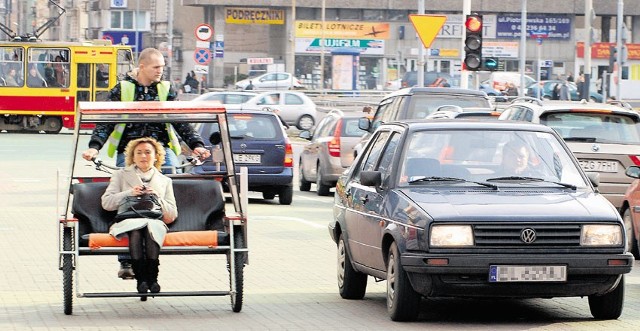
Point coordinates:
pixel 93 81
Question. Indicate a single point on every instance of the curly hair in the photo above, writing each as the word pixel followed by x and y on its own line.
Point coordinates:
pixel 159 149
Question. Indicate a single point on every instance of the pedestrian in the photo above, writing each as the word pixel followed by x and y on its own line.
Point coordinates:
pixel 143 84
pixel 249 87
pixel 580 86
pixel 203 84
pixel 570 77
pixel 564 91
pixel 555 93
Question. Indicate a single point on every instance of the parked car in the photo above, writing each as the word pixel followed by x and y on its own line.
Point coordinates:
pixel 329 151
pixel 631 211
pixel 418 103
pixel 259 143
pixel 499 80
pixel 440 209
pixel 452 112
pixel 226 97
pixel 431 79
pixel 271 81
pixel 546 92
pixel 294 107
pixel 393 85
pixel 605 138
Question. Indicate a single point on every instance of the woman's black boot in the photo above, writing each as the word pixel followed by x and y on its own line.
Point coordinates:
pixel 140 271
pixel 152 275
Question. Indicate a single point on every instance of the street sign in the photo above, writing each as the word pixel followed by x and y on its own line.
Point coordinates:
pixel 204 32
pixel 200 69
pixel 202 56
pixel 427 27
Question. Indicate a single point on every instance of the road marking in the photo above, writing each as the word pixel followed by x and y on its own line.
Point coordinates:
pixel 318 199
pixel 284 218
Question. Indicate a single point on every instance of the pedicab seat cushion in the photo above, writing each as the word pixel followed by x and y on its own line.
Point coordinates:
pixel 200 213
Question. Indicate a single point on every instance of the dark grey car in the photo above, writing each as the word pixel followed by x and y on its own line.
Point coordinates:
pixel 476 209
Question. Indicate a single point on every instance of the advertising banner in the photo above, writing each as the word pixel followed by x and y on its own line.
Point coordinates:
pixel 124 38
pixel 342 29
pixel 247 15
pixel 554 26
pixel 313 45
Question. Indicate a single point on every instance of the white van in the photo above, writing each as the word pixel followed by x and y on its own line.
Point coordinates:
pixel 499 79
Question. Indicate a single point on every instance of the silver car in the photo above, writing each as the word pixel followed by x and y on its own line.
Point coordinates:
pixel 330 150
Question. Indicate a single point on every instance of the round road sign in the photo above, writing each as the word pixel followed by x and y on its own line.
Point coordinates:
pixel 204 32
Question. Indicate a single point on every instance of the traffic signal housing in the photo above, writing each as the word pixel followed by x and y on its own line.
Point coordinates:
pixel 473 42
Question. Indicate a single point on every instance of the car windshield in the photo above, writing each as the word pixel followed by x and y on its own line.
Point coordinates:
pixel 424 105
pixel 242 126
pixel 593 126
pixel 483 156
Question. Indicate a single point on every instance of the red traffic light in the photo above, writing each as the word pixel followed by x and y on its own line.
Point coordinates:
pixel 473 23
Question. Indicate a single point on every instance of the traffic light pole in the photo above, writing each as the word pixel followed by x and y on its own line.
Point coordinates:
pixel 588 14
pixel 523 45
pixel 464 74
pixel 421 52
pixel 619 45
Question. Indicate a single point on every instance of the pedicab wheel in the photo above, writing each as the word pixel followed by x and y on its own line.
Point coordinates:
pixel 67 271
pixel 239 260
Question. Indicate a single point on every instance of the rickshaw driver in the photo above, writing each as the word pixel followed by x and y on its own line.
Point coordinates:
pixel 144 84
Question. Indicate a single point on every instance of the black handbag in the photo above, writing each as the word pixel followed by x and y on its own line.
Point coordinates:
pixel 142 206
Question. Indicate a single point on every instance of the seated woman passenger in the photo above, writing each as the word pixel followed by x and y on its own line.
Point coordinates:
pixel 142 175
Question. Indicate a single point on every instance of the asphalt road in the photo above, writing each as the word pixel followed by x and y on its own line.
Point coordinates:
pixel 290 283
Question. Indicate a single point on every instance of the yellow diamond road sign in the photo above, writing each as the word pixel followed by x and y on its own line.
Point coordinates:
pixel 427 27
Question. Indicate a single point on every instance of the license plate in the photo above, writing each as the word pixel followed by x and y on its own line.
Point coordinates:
pixel 527 273
pixel 246 158
pixel 599 166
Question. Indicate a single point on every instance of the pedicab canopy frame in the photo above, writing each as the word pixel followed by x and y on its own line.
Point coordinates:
pixel 78 222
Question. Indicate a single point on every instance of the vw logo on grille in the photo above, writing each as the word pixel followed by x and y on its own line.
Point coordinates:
pixel 243 146
pixel 528 235
pixel 595 148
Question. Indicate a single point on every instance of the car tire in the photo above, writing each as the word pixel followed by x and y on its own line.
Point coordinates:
pixel 305 122
pixel 305 185
pixel 268 195
pixel 285 197
pixel 632 242
pixel 608 306
pixel 321 188
pixel 403 303
pixel 351 283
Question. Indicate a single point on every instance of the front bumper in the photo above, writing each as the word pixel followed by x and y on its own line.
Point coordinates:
pixel 468 275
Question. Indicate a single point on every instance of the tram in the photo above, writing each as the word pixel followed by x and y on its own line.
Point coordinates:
pixel 41 83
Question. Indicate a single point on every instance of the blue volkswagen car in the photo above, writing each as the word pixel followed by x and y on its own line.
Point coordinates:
pixel 461 208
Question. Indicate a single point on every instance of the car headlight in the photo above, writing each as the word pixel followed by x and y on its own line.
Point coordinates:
pixel 451 235
pixel 601 235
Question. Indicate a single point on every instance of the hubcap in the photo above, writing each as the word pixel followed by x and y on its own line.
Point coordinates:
pixel 306 122
pixel 391 281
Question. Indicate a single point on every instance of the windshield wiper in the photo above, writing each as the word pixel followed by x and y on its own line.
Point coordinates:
pixel 450 179
pixel 532 179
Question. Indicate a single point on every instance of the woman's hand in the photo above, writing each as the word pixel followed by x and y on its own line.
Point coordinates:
pixel 139 190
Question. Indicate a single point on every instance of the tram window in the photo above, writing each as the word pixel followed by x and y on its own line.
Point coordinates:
pixel 11 64
pixel 52 65
pixel 124 63
pixel 102 96
pixel 83 96
pixel 84 75
pixel 102 75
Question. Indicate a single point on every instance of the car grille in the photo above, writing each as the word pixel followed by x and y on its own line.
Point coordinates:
pixel 502 235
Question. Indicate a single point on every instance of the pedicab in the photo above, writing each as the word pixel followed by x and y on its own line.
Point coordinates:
pixel 203 226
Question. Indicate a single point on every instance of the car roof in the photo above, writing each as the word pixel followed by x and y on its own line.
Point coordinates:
pixel 436 91
pixel 548 106
pixel 468 124
pixel 204 95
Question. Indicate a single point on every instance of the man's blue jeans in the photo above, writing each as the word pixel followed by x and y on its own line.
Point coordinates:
pixel 170 160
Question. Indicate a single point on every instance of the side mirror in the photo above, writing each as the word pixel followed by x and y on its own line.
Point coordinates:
pixel 215 138
pixel 371 178
pixel 305 135
pixel 633 172
pixel 364 123
pixel 594 177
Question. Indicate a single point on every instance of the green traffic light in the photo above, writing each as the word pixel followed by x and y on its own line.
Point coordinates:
pixel 490 64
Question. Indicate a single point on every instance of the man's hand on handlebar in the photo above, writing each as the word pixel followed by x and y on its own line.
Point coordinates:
pixel 201 153
pixel 90 154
